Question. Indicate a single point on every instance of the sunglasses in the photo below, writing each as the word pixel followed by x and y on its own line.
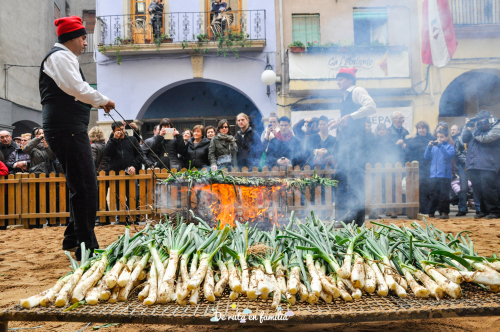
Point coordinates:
pixel 224 127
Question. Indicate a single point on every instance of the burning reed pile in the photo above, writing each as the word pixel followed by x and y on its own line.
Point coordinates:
pixel 304 261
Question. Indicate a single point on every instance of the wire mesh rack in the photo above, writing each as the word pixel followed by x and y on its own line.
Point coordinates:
pixel 474 302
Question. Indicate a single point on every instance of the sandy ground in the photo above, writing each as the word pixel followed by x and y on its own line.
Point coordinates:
pixel 32 260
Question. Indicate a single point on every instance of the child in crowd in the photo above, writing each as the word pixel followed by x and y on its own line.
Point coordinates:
pixel 441 153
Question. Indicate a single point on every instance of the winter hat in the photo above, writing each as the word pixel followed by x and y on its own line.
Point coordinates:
pixel 349 73
pixel 69 28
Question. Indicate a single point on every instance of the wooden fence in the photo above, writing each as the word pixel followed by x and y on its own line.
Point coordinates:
pixel 32 200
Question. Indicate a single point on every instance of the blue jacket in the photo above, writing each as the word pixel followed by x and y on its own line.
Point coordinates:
pixel 440 157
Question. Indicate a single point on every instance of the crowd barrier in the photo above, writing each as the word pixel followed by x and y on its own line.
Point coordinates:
pixel 33 200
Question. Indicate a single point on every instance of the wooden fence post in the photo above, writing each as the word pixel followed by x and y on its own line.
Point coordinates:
pixel 368 188
pixel 399 186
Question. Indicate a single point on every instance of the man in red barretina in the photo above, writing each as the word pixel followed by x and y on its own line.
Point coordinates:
pixel 351 147
pixel 66 102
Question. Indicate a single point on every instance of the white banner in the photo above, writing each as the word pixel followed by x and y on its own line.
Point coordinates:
pixel 383 115
pixel 370 64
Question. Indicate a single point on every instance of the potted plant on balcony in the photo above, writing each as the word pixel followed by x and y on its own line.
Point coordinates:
pixel 297 47
pixel 127 41
pixel 314 47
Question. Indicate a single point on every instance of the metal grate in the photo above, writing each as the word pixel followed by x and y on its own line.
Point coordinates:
pixel 475 302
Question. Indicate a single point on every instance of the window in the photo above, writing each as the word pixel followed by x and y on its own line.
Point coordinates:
pixel 370 26
pixel 57 12
pixel 89 20
pixel 140 7
pixel 305 28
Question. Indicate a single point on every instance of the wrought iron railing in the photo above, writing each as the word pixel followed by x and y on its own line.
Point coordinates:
pixel 475 12
pixel 182 26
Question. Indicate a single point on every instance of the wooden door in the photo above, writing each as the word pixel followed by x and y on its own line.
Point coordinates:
pixel 139 25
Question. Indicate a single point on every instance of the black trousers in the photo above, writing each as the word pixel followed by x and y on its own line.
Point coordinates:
pixel 440 195
pixel 485 186
pixel 424 193
pixel 351 196
pixel 72 149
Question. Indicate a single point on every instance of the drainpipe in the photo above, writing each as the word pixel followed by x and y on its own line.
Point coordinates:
pixel 282 52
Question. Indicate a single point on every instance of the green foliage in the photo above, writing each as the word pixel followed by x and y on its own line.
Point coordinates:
pixel 195 176
pixel 296 44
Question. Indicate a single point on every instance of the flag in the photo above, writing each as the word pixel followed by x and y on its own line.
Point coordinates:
pixel 382 63
pixel 438 35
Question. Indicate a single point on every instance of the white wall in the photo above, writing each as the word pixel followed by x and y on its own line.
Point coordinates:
pixel 132 83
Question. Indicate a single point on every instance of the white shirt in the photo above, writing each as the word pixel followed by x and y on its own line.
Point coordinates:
pixel 361 97
pixel 63 68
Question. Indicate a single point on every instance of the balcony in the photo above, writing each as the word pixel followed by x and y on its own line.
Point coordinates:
pixel 183 32
pixel 476 18
pixel 380 68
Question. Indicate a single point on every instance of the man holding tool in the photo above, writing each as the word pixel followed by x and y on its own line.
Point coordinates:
pixel 66 100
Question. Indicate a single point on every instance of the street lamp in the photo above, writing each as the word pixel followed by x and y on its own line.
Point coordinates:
pixel 268 76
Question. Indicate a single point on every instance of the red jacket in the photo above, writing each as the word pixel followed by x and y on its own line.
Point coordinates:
pixel 3 169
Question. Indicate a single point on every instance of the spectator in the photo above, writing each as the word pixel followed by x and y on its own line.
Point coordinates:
pixel 415 151
pixel 305 131
pixel 41 156
pixel 149 156
pixel 168 149
pixel 19 160
pixel 397 136
pixel 440 126
pixel 284 149
pixel 17 140
pixel 272 129
pixel 368 127
pixel 223 148
pixel 440 153
pixel 97 143
pixel 7 146
pixel 323 152
pixel 186 135
pixel 460 159
pixel 210 131
pixel 135 130
pixel 155 9
pixel 377 149
pixel 197 149
pixel 124 153
pixel 249 143
pixel 483 162
pixel 4 171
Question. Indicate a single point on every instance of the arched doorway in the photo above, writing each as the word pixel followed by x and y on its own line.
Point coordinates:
pixel 23 127
pixel 471 92
pixel 195 102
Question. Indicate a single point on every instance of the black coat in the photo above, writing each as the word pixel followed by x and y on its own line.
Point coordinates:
pixel 197 155
pixel 415 149
pixel 167 151
pixel 289 149
pixel 17 155
pixel 6 150
pixel 249 148
pixel 316 143
pixel 483 151
pixel 123 153
pixel 98 153
pixel 460 152
pixel 396 154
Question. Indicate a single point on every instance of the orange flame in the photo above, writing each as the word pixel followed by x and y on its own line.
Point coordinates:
pixel 222 202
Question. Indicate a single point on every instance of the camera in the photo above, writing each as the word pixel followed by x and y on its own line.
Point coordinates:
pixel 434 143
pixel 270 125
pixel 480 122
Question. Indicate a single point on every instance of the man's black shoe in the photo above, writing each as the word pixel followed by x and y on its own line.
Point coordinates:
pixel 492 216
pixel 443 216
pixel 461 213
pixel 480 215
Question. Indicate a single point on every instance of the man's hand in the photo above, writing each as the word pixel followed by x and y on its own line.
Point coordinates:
pixel 399 142
pixel 321 152
pixel 283 161
pixel 333 124
pixel 109 106
pixel 344 120
pixel 214 168
pixel 118 134
pixel 467 120
pixel 163 131
pixel 176 132
pixel 131 170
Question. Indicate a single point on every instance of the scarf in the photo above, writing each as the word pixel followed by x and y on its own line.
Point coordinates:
pixel 230 140
pixel 284 138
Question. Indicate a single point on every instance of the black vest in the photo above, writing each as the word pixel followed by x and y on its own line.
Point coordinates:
pixel 60 110
pixel 356 127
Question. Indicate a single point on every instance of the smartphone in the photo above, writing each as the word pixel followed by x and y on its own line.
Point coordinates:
pixel 270 125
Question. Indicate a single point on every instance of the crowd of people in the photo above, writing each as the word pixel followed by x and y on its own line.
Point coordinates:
pixel 455 165
pixel 460 165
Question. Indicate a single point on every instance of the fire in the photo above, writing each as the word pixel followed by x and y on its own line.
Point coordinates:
pixel 228 203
